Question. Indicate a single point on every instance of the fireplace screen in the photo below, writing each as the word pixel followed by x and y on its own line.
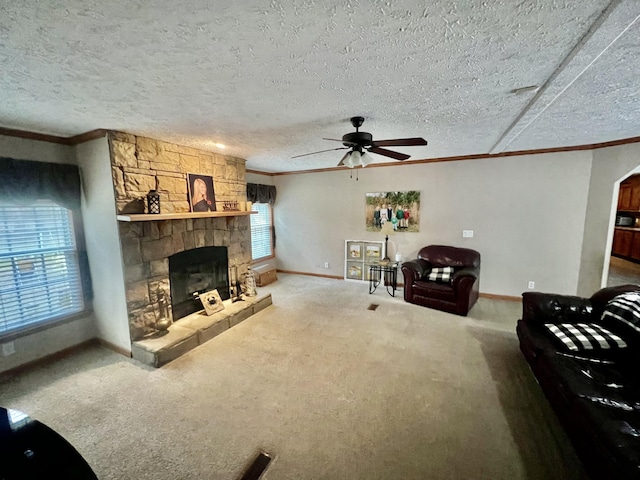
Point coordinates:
pixel 194 272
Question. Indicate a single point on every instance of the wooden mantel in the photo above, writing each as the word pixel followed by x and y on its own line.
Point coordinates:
pixel 147 217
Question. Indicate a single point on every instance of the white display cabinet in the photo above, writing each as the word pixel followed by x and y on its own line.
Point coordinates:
pixel 358 255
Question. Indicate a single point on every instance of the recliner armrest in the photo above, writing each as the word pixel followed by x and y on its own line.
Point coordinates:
pixel 464 272
pixel 540 307
pixel 415 269
pixel 462 280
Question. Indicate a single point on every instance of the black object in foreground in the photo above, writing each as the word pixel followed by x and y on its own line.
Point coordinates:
pixel 31 450
pixel 258 467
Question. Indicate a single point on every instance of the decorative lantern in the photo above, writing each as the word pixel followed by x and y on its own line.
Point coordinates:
pixel 153 201
pixel 250 284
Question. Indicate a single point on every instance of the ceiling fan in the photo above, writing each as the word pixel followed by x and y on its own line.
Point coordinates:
pixel 359 143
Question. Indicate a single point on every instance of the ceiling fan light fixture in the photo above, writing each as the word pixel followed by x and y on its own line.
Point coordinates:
pixel 349 161
pixel 366 159
pixel 355 157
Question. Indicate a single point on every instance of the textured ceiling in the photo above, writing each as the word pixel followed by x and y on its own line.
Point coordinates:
pixel 270 79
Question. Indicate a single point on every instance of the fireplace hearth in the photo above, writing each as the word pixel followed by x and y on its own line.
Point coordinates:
pixel 196 271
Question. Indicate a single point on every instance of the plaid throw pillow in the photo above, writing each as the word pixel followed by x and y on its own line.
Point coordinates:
pixel 623 310
pixel 585 336
pixel 440 274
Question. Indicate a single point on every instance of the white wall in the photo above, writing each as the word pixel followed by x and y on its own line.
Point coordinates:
pixel 45 342
pixel 528 215
pixel 103 243
pixel 610 165
pixel 258 178
pixel 24 149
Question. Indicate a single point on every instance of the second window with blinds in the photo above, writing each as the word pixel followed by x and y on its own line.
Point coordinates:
pixel 261 232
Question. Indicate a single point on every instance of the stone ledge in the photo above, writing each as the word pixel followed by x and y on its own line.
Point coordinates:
pixel 196 329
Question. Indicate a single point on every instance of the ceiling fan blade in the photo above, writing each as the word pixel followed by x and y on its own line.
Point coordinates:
pixel 321 151
pixel 389 153
pixel 341 141
pixel 343 159
pixel 401 142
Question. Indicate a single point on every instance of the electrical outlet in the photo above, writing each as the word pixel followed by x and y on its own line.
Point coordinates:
pixel 532 285
pixel 8 349
pixel 467 233
pixel 326 264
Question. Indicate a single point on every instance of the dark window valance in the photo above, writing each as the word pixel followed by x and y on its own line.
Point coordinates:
pixel 261 193
pixel 24 181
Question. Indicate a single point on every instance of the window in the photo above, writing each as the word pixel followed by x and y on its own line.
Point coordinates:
pixel 261 240
pixel 39 272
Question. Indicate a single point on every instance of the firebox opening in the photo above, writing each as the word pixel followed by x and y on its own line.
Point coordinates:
pixel 196 271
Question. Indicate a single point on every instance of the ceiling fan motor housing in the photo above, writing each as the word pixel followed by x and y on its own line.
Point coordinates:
pixel 360 139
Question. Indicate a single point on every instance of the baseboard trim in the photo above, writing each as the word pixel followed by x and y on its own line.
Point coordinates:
pixel 493 296
pixel 335 277
pixel 60 354
pixel 400 286
pixel 65 352
pixel 115 348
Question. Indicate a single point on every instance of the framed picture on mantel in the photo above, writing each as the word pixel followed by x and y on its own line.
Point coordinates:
pixel 202 198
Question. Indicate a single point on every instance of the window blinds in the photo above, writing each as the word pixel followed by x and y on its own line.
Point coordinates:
pixel 261 231
pixel 39 274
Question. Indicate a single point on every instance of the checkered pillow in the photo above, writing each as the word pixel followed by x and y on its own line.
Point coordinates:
pixel 623 311
pixel 440 274
pixel 585 336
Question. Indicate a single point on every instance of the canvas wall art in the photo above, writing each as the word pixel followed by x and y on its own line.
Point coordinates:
pixel 202 198
pixel 401 209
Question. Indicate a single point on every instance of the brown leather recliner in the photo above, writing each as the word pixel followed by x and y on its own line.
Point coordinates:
pixel 457 296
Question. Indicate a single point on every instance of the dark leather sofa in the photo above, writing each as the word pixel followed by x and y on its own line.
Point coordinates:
pixel 459 295
pixel 596 396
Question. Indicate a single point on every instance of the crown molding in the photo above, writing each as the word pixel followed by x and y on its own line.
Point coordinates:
pixel 41 137
pixel 478 156
pixel 99 133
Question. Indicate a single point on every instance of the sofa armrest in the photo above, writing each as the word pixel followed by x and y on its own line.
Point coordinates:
pixel 414 270
pixel 540 307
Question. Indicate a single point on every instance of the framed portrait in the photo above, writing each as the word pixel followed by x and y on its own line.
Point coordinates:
pixel 400 209
pixel 354 250
pixel 211 302
pixel 202 198
pixel 354 270
pixel 373 252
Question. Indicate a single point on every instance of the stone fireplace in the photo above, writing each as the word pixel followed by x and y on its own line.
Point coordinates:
pixel 141 164
pixel 196 271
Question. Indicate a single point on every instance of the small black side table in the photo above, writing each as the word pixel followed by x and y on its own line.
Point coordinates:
pixel 387 272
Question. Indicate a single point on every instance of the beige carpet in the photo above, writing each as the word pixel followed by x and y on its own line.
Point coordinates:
pixel 333 390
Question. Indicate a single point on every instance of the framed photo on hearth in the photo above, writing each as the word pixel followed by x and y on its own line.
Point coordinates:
pixel 211 302
pixel 202 198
